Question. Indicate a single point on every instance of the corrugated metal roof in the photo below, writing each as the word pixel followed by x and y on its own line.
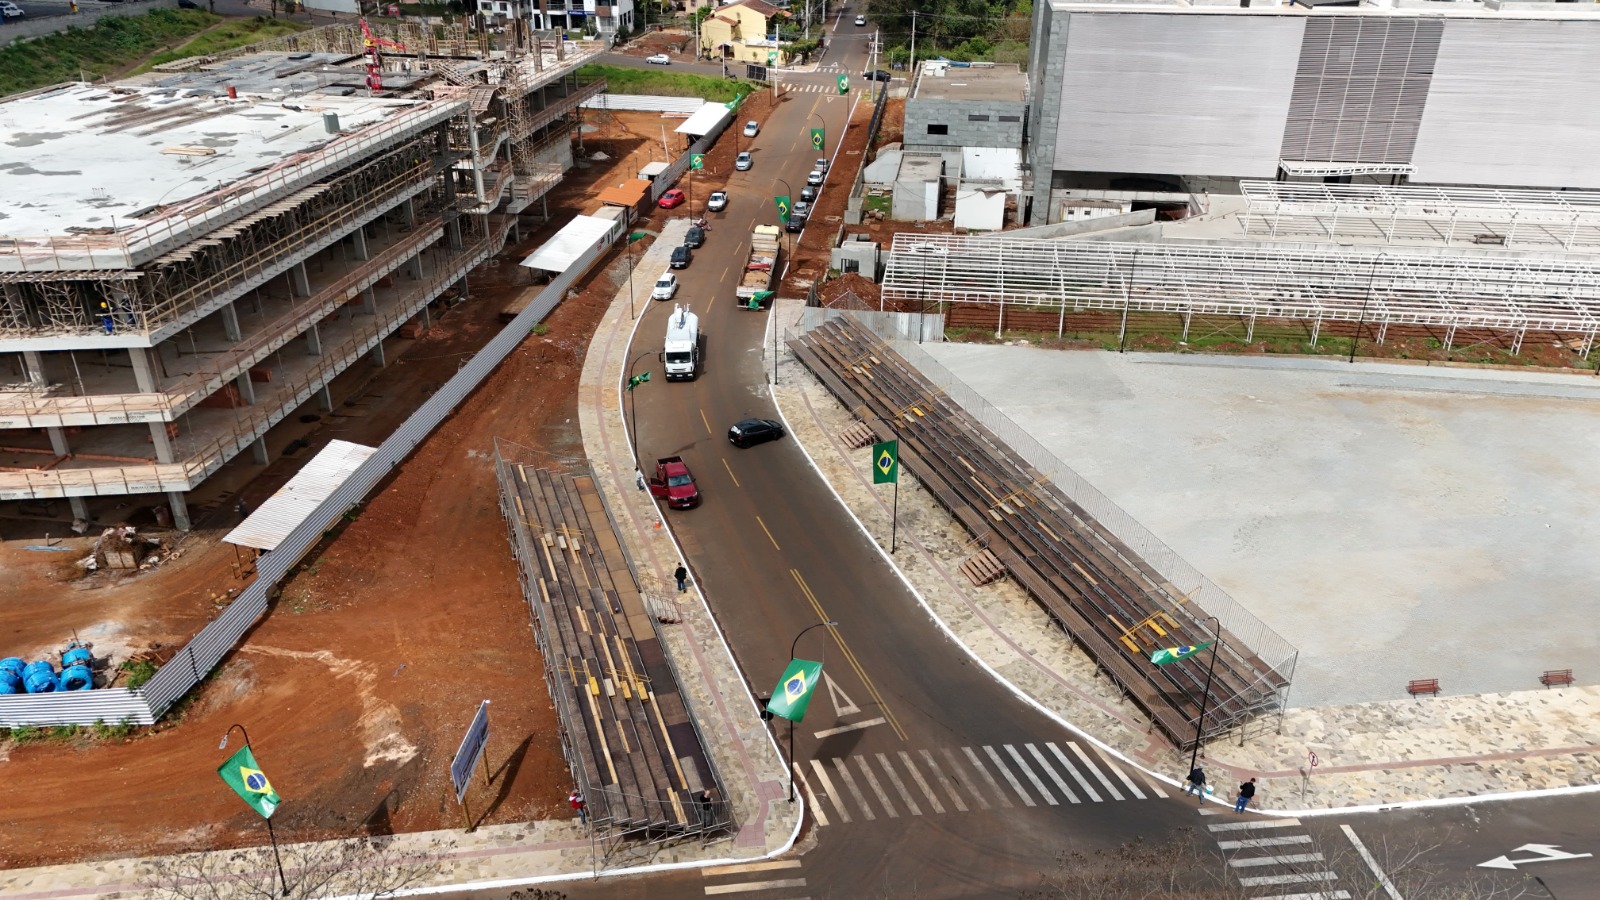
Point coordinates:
pixel 265 528
pixel 572 241
pixel 704 120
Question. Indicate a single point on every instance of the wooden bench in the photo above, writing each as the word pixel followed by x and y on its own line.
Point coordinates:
pixel 1423 686
pixel 1555 677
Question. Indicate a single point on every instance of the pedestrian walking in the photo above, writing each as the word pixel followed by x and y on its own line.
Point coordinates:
pixel 706 816
pixel 579 805
pixel 1246 791
pixel 1197 782
pixel 682 575
pixel 243 509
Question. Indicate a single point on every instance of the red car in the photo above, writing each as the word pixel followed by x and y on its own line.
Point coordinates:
pixel 671 198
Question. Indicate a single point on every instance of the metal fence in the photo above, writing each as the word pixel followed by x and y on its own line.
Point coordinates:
pixel 644 103
pixel 143 706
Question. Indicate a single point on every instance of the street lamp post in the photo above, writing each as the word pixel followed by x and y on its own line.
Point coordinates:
pixel 1362 319
pixel 787 192
pixel 819 118
pixel 794 645
pixel 223 745
pixel 633 418
pixel 1205 695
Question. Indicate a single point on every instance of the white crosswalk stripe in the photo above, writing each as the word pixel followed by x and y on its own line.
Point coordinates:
pixel 1259 855
pixel 994 757
pixel 1060 785
pixel 1028 771
pixel 955 767
pixel 1089 764
pixel 905 759
pixel 1073 771
pixel 872 781
pixel 1255 843
pixel 939 777
pixel 1121 776
pixel 978 764
pixel 850 782
pixel 1251 862
pixel 827 785
pixel 811 798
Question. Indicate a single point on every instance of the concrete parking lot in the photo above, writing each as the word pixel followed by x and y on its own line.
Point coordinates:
pixel 1392 522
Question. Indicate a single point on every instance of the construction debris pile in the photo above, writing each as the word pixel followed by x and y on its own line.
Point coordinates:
pixel 124 548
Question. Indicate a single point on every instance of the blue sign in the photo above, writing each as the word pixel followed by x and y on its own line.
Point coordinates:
pixel 471 751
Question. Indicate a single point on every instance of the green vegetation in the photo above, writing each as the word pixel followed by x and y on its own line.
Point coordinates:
pixel 110 46
pixel 621 80
pixel 30 734
pixel 539 329
pixel 963 30
pixel 227 36
pixel 139 671
pixel 117 732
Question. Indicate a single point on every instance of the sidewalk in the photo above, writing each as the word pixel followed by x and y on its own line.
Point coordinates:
pixel 736 739
pixel 1434 749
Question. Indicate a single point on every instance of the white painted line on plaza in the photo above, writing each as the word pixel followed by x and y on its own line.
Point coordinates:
pixel 1062 785
pixel 1016 785
pixel 1089 763
pixel 939 776
pixel 827 785
pixel 830 732
pixel 811 797
pixel 1388 886
pixel 1265 842
pixel 999 792
pixel 1296 878
pixel 1073 771
pixel 742 868
pixel 872 781
pixel 1028 771
pixel 894 776
pixel 747 887
pixel 1265 823
pixel 1288 860
pixel 933 799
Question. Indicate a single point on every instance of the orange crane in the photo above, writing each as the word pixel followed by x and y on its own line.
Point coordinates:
pixel 374 45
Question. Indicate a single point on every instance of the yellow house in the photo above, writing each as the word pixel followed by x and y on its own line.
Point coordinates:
pixel 742 32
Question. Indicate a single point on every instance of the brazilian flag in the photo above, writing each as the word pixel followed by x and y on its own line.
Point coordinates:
pixel 1173 654
pixel 886 462
pixel 244 775
pixel 793 693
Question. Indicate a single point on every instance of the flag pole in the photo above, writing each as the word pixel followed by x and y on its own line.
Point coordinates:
pixel 1205 695
pixel 275 856
pixel 894 517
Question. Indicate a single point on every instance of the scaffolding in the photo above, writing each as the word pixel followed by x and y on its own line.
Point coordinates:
pixel 1503 293
pixel 1568 220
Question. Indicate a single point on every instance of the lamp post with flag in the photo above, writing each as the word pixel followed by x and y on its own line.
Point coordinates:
pixel 242 773
pixel 886 469
pixel 633 419
pixel 793 693
pixel 1168 655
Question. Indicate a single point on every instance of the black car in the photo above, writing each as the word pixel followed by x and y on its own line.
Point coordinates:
pixel 681 257
pixel 877 75
pixel 754 431
pixel 695 237
pixel 808 193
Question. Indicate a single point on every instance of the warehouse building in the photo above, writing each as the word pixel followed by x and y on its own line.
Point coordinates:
pixel 1158 101
pixel 189 256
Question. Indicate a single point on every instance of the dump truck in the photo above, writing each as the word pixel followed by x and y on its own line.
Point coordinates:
pixel 674 483
pixel 761 269
pixel 681 351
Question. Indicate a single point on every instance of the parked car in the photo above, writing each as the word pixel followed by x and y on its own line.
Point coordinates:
pixel 877 75
pixel 744 161
pixel 718 201
pixel 660 59
pixel 808 193
pixel 11 10
pixel 814 177
pixel 671 199
pixel 798 216
pixel 751 129
pixel 821 165
pixel 749 432
pixel 188 4
pixel 666 287
pixel 681 257
pixel 861 20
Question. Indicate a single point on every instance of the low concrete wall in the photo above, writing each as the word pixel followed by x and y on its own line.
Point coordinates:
pixel 89 12
pixel 1081 226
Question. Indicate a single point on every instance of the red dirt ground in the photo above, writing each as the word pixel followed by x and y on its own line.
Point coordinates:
pixel 358 683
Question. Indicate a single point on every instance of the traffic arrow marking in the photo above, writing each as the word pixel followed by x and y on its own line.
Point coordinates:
pixel 1547 853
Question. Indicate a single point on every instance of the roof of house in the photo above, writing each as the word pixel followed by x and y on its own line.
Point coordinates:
pixel 757 6
pixel 629 193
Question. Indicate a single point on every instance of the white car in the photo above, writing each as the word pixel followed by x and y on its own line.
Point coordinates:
pixel 743 161
pixel 815 177
pixel 861 20
pixel 10 10
pixel 666 286
pixel 751 129
pixel 660 59
pixel 821 166
pixel 718 201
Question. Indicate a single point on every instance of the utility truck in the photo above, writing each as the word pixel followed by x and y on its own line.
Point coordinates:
pixel 681 352
pixel 761 269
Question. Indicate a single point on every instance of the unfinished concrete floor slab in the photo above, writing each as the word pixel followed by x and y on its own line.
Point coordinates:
pixel 1392 522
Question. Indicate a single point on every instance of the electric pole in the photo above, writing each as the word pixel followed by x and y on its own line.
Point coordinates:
pixel 913 44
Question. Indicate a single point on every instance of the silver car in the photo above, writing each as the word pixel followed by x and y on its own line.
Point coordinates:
pixel 744 161
pixel 718 201
pixel 815 177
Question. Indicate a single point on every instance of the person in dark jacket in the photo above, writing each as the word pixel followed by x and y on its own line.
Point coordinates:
pixel 1197 782
pixel 682 575
pixel 1246 791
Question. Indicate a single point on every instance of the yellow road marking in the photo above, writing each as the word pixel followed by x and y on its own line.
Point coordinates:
pixel 733 476
pixel 706 421
pixel 849 656
pixel 764 527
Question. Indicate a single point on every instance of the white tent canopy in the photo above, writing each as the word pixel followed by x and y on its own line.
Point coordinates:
pixel 572 241
pixel 704 120
pixel 265 528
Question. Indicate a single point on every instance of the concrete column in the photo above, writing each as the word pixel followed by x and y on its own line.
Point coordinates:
pixel 259 451
pixel 415 267
pixel 360 237
pixel 33 361
pixel 369 302
pixel 247 388
pixel 300 280
pixel 143 372
pixel 163 444
pixel 427 318
pixel 180 510
pixel 378 359
pixel 80 509
pixel 409 208
pixel 453 231
pixel 325 399
pixel 58 441
pixel 230 322
pixel 313 341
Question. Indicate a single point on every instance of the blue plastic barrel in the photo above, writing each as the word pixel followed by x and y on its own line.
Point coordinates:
pixel 13 664
pixel 77 656
pixel 40 677
pixel 10 682
pixel 76 678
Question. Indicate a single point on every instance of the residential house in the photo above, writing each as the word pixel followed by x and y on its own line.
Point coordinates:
pixel 743 32
pixel 602 16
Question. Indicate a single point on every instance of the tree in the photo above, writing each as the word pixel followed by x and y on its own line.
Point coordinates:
pixel 366 867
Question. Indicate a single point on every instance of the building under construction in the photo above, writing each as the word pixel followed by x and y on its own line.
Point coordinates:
pixel 188 256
